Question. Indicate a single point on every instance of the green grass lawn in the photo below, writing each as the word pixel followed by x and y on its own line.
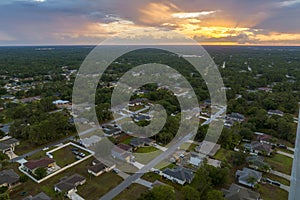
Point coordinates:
pixel 188 146
pixel 281 163
pixel 277 178
pixel 146 158
pixel 94 187
pixel 146 149
pixel 65 156
pixel 269 192
pixel 133 192
pixel 223 154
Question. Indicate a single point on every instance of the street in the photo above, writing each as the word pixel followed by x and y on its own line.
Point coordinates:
pixel 294 193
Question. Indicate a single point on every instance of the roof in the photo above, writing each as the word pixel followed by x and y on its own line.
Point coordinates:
pixel 8 176
pixel 5 144
pixel 246 173
pixel 140 141
pixel 124 147
pixel 180 173
pixel 261 146
pixel 39 196
pixel 68 183
pixel 236 192
pixel 208 148
pixel 44 162
pixel 98 167
pixel 257 161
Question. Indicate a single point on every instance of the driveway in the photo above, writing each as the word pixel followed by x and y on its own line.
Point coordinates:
pixel 286 154
pixel 282 175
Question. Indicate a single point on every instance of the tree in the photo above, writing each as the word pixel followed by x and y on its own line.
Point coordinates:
pixel 190 193
pixel 161 192
pixel 215 195
pixel 239 158
pixel 40 172
pixel 246 133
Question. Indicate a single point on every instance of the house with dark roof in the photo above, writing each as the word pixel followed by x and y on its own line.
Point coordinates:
pixel 39 196
pixel 122 152
pixel 140 142
pixel 68 185
pixel 178 175
pixel 8 144
pixel 236 192
pixel 32 165
pixel 261 148
pixel 248 177
pixel 99 168
pixel 8 178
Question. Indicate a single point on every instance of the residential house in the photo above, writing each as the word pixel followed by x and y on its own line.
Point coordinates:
pixel 263 138
pixel 39 196
pixel 248 177
pixel 140 142
pixel 68 185
pixel 257 163
pixel 236 192
pixel 32 165
pixel 237 117
pixel 8 178
pixel 99 168
pixel 122 152
pixel 275 112
pixel 178 175
pixel 265 89
pixel 8 144
pixel 196 160
pixel 138 118
pixel 261 148
pixel 8 97
pixel 30 99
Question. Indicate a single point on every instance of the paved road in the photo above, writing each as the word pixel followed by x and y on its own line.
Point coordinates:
pixel 294 193
pixel 133 178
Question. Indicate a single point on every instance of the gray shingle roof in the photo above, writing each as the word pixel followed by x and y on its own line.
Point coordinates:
pixel 68 183
pixel 180 173
pixel 9 177
pixel 237 192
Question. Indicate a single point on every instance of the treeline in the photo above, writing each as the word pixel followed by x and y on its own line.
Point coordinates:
pixel 33 122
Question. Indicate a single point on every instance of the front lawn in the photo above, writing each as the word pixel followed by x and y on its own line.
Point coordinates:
pixel 269 192
pixel 280 163
pixel 146 149
pixel 132 192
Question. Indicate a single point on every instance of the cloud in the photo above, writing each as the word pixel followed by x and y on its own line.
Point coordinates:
pixel 73 21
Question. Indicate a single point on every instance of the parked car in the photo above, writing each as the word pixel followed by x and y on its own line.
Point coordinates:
pixel 276 183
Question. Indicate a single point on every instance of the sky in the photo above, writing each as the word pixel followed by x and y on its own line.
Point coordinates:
pixel 212 22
